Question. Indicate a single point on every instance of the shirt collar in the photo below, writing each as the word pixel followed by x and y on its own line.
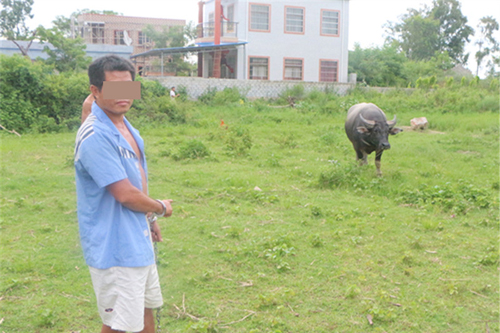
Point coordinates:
pixel 103 117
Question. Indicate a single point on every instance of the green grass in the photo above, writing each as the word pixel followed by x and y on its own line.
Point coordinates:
pixel 323 245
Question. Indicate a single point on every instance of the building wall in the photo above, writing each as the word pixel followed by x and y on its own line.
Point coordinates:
pixel 133 26
pixel 310 46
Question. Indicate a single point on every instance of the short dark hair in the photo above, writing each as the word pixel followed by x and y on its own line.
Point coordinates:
pixel 108 63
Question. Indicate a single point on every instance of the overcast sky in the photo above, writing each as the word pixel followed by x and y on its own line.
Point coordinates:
pixel 366 18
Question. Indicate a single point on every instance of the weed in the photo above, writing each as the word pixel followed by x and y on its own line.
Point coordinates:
pixel 203 326
pixel 316 212
pixel 47 318
pixel 208 95
pixel 352 291
pixel 458 198
pixel 316 241
pixel 286 141
pixel 192 149
pixel 238 141
pixel 340 176
pixel 228 96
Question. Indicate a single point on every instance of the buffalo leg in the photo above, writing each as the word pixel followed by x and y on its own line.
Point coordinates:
pixel 377 162
pixel 361 157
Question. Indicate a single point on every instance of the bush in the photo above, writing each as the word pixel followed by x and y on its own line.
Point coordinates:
pixel 238 141
pixel 151 88
pixel 340 176
pixel 21 87
pixel 158 110
pixel 290 95
pixel 34 97
pixel 16 113
pixel 183 93
pixel 229 95
pixel 193 149
pixel 459 198
pixel 208 96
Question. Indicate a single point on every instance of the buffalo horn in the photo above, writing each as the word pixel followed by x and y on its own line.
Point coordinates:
pixel 368 123
pixel 392 122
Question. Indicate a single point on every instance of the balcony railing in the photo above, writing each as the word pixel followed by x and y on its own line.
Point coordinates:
pixel 227 29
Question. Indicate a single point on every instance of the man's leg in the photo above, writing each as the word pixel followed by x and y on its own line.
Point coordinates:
pixel 107 329
pixel 149 321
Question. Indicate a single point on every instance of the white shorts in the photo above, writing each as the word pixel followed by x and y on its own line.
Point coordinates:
pixel 122 294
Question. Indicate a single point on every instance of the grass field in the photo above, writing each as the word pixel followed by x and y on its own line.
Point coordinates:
pixel 275 227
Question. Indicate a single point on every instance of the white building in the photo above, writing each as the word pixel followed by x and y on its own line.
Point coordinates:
pixel 285 39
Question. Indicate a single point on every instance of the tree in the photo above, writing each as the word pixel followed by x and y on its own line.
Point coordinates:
pixel 13 22
pixel 442 28
pixel 67 54
pixel 453 29
pixel 378 66
pixel 175 36
pixel 387 66
pixel 487 26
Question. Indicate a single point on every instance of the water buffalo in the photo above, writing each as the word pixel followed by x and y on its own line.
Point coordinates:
pixel 368 129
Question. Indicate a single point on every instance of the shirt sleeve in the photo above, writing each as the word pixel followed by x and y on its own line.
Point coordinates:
pixel 100 157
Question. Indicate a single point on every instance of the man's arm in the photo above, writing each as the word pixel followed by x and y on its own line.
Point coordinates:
pixel 87 107
pixel 134 199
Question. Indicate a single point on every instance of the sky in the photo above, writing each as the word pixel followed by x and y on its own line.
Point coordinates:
pixel 366 17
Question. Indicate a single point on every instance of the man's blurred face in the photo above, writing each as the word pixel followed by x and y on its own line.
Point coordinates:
pixel 117 94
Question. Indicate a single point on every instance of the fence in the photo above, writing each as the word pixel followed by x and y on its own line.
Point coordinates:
pixel 196 86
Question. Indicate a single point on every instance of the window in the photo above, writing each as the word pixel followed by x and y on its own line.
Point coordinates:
pixel 143 39
pixel 211 25
pixel 230 18
pixel 259 17
pixel 93 32
pixel 258 68
pixel 119 37
pixel 294 20
pixel 330 22
pixel 293 69
pixel 328 71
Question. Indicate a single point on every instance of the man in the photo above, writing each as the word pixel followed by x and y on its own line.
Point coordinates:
pixel 111 183
pixel 173 95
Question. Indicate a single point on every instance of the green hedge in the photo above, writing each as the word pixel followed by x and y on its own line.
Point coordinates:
pixel 34 98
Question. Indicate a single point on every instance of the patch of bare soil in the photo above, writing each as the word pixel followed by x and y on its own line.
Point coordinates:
pixel 427 131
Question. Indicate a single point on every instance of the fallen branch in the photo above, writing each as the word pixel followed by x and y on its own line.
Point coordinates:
pixel 294 313
pixel 13 131
pixel 280 106
pixel 478 294
pixel 239 321
pixel 453 279
pixel 75 297
pixel 184 313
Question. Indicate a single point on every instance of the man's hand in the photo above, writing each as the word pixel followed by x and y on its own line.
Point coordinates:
pixel 155 232
pixel 168 204
pixel 87 107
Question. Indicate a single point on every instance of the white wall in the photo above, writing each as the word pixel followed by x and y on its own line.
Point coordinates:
pixel 310 46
